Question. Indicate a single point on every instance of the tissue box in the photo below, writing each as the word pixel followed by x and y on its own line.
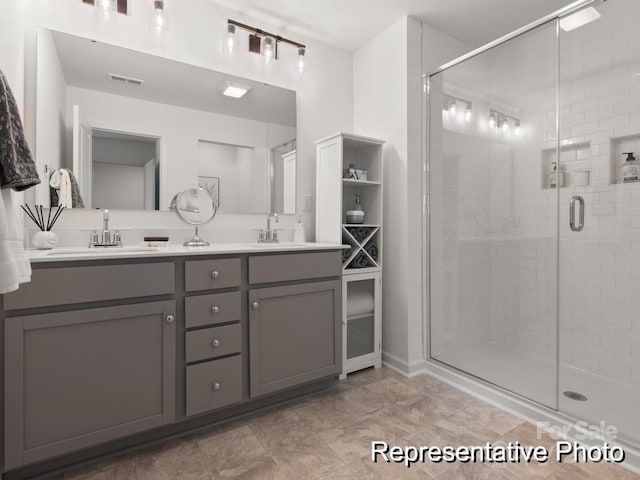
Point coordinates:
pixel 361 175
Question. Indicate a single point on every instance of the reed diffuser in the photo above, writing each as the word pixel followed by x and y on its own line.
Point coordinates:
pixel 45 239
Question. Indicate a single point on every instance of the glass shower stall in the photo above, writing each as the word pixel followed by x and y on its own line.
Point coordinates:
pixel 533 230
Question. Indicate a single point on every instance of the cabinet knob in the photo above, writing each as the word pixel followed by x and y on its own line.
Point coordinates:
pixel 170 318
pixel 215 309
pixel 215 274
pixel 255 305
pixel 215 343
pixel 216 386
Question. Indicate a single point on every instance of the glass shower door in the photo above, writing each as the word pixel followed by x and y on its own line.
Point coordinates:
pixel 599 280
pixel 493 215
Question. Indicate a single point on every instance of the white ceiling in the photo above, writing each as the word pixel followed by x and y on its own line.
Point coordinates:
pixel 86 63
pixel 351 23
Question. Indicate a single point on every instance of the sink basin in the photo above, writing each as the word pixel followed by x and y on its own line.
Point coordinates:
pixel 100 251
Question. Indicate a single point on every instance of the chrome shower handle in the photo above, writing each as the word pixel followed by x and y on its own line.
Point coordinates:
pixel 572 213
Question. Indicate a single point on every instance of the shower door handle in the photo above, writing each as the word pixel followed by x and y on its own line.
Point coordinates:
pixel 572 213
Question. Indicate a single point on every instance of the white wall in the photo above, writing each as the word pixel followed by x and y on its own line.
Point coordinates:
pixel 51 113
pixel 179 129
pixel 118 186
pixel 387 105
pixel 324 101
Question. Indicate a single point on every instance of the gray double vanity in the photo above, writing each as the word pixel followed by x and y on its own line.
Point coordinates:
pixel 118 349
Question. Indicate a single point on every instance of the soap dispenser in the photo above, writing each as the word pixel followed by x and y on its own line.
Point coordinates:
pixel 556 175
pixel 298 232
pixel 630 169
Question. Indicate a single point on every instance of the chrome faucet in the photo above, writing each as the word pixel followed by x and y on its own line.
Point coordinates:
pixel 269 235
pixel 105 239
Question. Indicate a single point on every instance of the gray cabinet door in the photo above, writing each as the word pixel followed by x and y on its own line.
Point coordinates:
pixel 295 335
pixel 76 379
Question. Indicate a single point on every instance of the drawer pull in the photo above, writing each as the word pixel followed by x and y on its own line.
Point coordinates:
pixel 215 309
pixel 170 318
pixel 216 386
pixel 255 305
pixel 215 343
pixel 215 274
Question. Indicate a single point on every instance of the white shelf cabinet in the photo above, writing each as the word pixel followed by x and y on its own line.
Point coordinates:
pixel 362 263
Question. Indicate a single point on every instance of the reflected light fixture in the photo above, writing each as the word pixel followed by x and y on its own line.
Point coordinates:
pixel 468 112
pixel 503 121
pixel 266 43
pixel 450 106
pixel 579 18
pixel 159 16
pixel 235 90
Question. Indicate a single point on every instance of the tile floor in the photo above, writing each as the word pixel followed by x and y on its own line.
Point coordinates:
pixel 328 437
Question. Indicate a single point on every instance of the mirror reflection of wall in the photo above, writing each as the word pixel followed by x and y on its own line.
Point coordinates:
pixel 240 172
pixel 283 175
pixel 84 86
pixel 124 171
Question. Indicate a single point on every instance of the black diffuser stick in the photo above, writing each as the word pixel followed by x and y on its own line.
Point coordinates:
pixel 30 214
pixel 49 219
pixel 56 215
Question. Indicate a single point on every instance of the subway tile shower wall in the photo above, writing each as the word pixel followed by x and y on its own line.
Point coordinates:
pixel 599 282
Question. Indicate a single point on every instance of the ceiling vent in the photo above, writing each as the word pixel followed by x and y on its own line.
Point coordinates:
pixel 126 80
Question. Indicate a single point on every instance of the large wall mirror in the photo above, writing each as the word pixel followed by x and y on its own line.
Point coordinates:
pixel 135 128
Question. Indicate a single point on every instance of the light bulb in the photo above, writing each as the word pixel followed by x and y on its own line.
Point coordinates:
pixel 492 120
pixel 231 38
pixel 268 48
pixel 159 17
pixel 467 113
pixel 505 125
pixel 301 52
pixel 452 107
pixel 104 8
pixel 517 130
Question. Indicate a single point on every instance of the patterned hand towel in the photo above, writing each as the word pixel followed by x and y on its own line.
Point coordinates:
pixel 17 170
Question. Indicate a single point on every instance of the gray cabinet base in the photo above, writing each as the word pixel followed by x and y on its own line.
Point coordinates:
pixel 190 425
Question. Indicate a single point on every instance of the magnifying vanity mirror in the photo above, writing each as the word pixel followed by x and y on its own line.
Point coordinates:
pixel 134 128
pixel 194 206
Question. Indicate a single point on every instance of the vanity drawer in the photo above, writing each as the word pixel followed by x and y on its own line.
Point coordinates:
pixel 295 266
pixel 66 285
pixel 213 342
pixel 211 274
pixel 214 384
pixel 212 309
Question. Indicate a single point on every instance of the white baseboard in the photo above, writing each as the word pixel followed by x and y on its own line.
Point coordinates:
pixel 522 407
pixel 401 366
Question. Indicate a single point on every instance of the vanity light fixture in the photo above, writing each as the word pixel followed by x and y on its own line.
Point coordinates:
pixel 264 43
pixel 159 16
pixel 235 90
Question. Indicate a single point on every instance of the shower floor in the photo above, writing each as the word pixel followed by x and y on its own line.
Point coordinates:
pixel 614 402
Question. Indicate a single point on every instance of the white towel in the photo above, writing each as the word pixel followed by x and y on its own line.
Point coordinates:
pixel 60 181
pixel 14 264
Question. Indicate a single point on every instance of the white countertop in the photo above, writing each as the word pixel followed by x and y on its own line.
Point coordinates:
pixel 65 254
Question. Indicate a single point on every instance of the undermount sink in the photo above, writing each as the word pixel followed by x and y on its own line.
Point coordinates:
pixel 100 251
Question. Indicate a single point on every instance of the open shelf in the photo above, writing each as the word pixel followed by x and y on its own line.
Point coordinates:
pixel 360 183
pixel 575 164
pixel 619 146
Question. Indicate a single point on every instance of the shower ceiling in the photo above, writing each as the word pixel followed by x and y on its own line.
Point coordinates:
pixel 350 24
